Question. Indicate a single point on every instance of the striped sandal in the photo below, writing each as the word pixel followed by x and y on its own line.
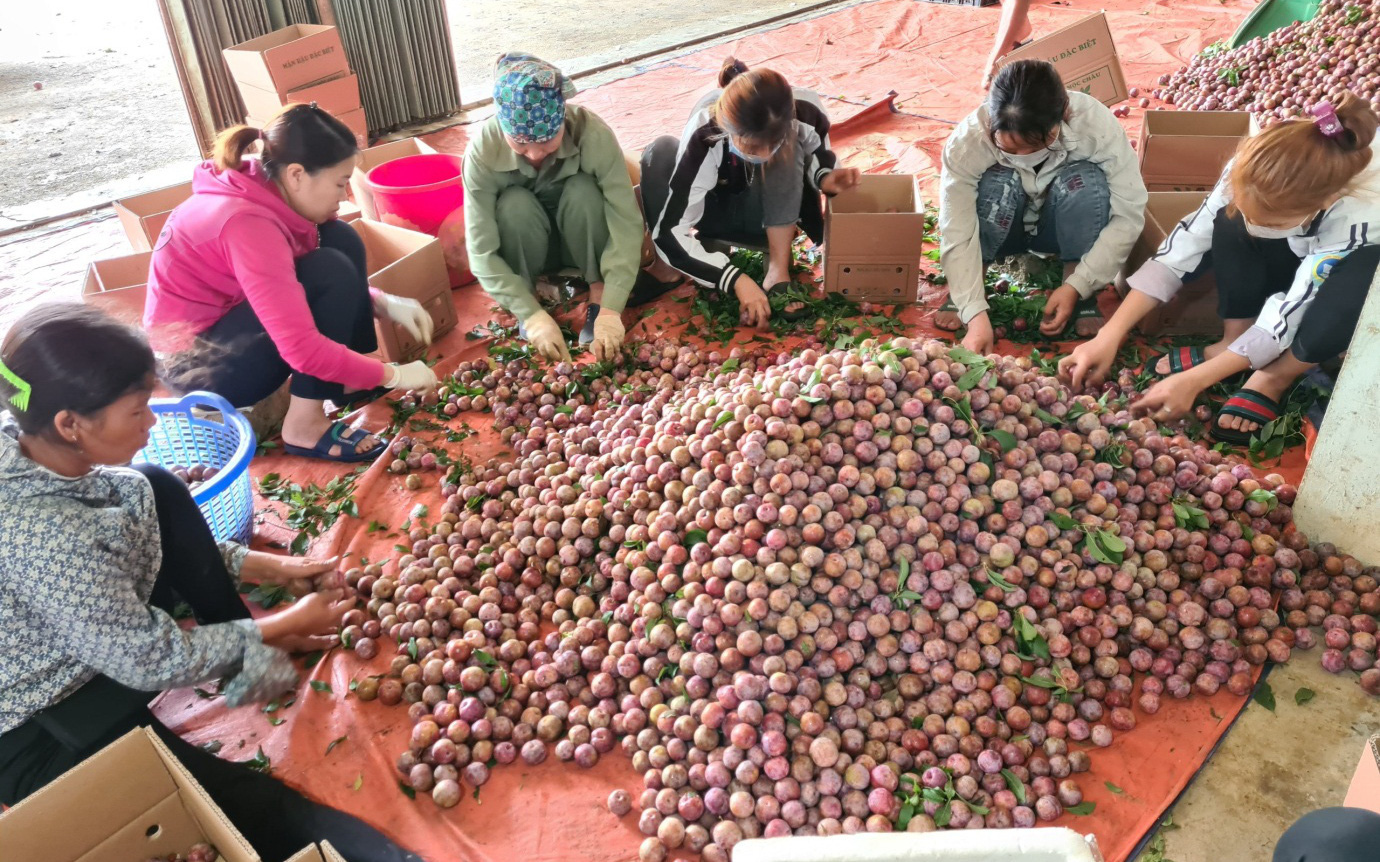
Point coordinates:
pixel 1180 360
pixel 1249 405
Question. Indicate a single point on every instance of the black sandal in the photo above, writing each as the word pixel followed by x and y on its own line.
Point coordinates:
pixel 782 290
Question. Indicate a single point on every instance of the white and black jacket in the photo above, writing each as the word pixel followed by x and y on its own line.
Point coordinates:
pixel 1351 223
pixel 704 164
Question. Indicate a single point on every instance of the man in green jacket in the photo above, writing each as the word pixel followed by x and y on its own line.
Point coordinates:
pixel 546 186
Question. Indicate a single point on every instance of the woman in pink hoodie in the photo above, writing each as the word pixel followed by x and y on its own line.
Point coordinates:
pixel 254 281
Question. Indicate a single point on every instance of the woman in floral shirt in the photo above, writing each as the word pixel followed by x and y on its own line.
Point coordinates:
pixel 96 555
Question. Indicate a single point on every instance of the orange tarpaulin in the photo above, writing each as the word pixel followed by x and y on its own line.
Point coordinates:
pixel 930 55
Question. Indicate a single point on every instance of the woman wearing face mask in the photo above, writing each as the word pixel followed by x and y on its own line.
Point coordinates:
pixel 1036 169
pixel 254 281
pixel 740 175
pixel 1288 233
pixel 546 185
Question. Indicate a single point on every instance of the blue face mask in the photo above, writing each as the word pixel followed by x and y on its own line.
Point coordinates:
pixel 752 160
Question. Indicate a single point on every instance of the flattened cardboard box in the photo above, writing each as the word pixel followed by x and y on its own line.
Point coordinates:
pixel 1085 56
pixel 287 59
pixel 873 238
pixel 143 215
pixel 157 808
pixel 336 96
pixel 372 158
pixel 118 286
pixel 1193 310
pixel 1187 150
pixel 406 263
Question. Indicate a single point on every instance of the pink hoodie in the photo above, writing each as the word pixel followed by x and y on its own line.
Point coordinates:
pixel 236 239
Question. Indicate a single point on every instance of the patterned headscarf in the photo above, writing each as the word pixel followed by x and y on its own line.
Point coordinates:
pixel 530 95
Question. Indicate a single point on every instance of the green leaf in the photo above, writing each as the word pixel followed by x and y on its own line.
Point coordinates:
pixel 312 659
pixel 1265 696
pixel 903 820
pixel 1029 640
pixel 419 512
pixel 321 685
pixel 972 377
pixel 1005 585
pixel 260 762
pixel 407 790
pixel 958 353
pixel 412 648
pixel 334 743
pixel 903 570
pixel 1304 695
pixel 941 817
pixel 1005 438
pixel 724 418
pixel 1082 808
pixel 1047 418
pixel 275 720
pixel 730 365
pixel 359 782
pixel 1062 521
pixel 1117 790
pixel 485 660
pixel 565 408
pixel 1260 495
pixel 695 537
pixel 1015 785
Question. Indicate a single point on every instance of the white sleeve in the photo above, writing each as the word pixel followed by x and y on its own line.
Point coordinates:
pixel 1182 251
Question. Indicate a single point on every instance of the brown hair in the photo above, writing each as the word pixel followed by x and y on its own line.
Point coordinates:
pixel 1294 169
pixel 756 104
pixel 297 135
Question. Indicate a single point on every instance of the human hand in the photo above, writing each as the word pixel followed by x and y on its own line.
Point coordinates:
pixel 262 568
pixel 608 334
pixel 1089 363
pixel 544 334
pixel 754 309
pixel 1058 309
pixel 840 180
pixel 1168 399
pixel 412 376
pixel 310 623
pixel 407 313
pixel 979 338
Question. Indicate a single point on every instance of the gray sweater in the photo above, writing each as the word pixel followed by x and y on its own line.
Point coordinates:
pixel 78 561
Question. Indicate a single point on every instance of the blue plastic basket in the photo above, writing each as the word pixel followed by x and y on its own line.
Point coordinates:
pixel 183 439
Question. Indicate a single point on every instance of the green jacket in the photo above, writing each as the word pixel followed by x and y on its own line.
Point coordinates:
pixel 589 147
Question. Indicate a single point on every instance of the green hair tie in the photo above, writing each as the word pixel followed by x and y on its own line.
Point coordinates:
pixel 20 398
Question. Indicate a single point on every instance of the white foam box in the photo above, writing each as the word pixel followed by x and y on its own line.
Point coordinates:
pixel 977 845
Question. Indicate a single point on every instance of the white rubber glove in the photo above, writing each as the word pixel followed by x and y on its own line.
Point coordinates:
pixel 407 313
pixel 413 375
pixel 545 335
pixel 608 334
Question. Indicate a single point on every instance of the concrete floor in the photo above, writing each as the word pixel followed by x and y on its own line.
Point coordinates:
pixel 1274 767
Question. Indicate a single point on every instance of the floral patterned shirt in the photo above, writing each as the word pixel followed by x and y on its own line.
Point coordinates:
pixel 78 561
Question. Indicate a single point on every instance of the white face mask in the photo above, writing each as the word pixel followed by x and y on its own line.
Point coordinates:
pixel 1272 232
pixel 1028 160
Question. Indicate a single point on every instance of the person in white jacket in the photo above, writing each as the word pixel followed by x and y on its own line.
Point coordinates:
pixel 1036 169
pixel 1288 233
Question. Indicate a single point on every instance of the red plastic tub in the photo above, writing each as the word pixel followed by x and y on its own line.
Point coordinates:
pixel 425 193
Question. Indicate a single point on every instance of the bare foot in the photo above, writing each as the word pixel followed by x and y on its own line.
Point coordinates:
pixel 306 423
pixel 1162 367
pixel 1272 385
pixel 947 320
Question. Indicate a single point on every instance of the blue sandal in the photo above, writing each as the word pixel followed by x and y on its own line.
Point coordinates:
pixel 348 441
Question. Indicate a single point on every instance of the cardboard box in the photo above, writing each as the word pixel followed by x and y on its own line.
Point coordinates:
pixel 144 215
pixel 117 286
pixel 338 95
pixel 131 800
pixel 1364 791
pixel 406 263
pixel 1085 56
pixel 312 853
pixel 1187 150
pixel 1193 311
pixel 288 59
pixel 873 240
pixel 348 212
pixel 372 158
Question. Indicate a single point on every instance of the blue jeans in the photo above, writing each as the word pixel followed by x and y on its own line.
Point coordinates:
pixel 1077 206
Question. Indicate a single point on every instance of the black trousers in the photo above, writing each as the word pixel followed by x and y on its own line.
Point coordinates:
pixel 275 819
pixel 1250 270
pixel 1331 835
pixel 236 359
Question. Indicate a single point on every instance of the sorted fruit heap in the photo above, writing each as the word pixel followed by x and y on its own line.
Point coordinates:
pixel 197 853
pixel 872 587
pixel 1287 72
pixel 195 475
